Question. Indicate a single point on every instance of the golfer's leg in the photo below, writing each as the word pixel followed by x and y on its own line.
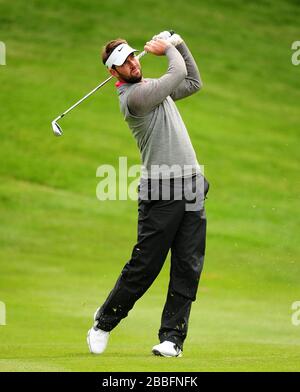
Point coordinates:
pixel 187 260
pixel 157 226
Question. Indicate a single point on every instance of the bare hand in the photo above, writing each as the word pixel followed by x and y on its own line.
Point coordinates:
pixel 157 47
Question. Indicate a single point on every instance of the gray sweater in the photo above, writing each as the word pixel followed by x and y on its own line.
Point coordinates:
pixel 150 111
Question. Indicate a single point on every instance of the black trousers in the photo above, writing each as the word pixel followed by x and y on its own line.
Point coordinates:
pixel 163 225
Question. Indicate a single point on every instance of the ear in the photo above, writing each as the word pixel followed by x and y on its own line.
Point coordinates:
pixel 113 72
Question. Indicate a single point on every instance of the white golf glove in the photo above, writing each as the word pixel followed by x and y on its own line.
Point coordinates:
pixel 163 35
pixel 174 39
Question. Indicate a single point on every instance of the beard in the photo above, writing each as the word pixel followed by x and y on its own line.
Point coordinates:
pixel 131 79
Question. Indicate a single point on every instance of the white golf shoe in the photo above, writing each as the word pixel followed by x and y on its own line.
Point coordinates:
pixel 97 340
pixel 167 349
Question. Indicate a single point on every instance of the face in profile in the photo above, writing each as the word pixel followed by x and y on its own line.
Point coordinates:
pixel 129 71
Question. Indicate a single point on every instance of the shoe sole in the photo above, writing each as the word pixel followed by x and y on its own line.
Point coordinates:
pixel 88 341
pixel 96 313
pixel 88 335
pixel 159 354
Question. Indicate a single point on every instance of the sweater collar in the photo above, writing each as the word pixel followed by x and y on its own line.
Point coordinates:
pixel 119 83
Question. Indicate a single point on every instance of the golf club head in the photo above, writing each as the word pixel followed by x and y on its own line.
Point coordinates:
pixel 56 129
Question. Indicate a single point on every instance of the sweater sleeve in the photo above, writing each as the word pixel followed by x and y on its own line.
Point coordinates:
pixel 192 81
pixel 145 96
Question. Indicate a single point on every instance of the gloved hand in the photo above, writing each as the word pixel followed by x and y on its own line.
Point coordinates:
pixel 174 39
pixel 163 35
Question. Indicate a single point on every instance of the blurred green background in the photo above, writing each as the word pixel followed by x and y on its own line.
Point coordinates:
pixel 61 249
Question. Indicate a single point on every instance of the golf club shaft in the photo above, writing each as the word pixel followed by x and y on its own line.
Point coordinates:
pixel 82 99
pixel 92 92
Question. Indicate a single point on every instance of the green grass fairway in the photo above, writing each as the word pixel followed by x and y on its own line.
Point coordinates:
pixel 61 249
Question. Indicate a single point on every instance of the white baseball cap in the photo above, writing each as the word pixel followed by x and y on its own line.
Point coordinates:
pixel 119 55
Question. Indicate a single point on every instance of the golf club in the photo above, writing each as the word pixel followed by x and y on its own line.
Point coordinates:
pixel 56 128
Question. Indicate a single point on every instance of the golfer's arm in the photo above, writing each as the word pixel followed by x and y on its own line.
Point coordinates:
pixel 149 94
pixel 192 83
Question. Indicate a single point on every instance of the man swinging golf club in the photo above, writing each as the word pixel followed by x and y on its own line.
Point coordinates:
pixel 176 222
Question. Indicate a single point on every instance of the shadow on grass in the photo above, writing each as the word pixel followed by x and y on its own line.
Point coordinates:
pixel 84 356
